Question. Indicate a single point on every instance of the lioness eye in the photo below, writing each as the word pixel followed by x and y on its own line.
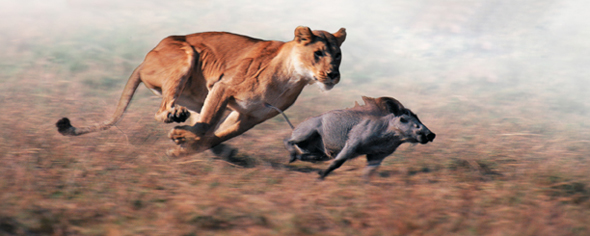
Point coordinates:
pixel 318 54
pixel 403 120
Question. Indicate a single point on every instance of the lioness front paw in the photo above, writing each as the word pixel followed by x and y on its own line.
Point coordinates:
pixel 188 142
pixel 182 135
pixel 185 140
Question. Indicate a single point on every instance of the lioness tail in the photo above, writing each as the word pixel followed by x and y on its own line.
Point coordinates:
pixel 65 127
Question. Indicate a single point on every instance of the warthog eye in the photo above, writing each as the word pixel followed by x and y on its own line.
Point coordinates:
pixel 318 54
pixel 403 120
pixel 338 56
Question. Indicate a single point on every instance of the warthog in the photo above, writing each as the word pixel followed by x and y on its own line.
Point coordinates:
pixel 375 129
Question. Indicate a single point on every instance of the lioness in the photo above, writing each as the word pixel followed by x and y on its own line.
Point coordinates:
pixel 213 72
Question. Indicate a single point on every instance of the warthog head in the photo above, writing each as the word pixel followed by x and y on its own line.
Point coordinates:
pixel 409 127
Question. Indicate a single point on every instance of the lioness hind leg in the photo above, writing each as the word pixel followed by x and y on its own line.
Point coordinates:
pixel 166 70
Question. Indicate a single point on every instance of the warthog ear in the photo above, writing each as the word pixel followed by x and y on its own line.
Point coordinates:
pixel 391 105
pixel 303 35
pixel 340 36
pixel 369 100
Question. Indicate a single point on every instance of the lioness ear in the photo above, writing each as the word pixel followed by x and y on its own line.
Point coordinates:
pixel 340 36
pixel 303 35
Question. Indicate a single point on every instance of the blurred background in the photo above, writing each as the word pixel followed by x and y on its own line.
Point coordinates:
pixel 504 84
pixel 532 52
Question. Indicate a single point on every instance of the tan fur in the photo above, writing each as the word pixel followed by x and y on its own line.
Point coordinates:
pixel 226 79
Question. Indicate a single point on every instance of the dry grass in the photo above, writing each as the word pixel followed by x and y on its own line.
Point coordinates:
pixel 495 176
pixel 510 158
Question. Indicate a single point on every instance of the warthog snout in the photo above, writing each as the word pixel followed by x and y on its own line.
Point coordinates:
pixel 431 136
pixel 428 137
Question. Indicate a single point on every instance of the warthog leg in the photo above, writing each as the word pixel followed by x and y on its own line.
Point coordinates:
pixel 373 163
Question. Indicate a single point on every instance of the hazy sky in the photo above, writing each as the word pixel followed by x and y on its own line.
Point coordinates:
pixel 528 42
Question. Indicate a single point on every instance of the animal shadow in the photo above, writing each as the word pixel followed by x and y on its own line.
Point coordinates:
pixel 231 155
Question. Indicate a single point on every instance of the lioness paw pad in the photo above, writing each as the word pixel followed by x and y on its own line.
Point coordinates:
pixel 179 115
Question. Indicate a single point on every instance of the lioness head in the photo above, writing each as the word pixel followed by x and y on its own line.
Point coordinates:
pixel 319 55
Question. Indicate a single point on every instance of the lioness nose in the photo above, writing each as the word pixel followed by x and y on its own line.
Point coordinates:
pixel 334 74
